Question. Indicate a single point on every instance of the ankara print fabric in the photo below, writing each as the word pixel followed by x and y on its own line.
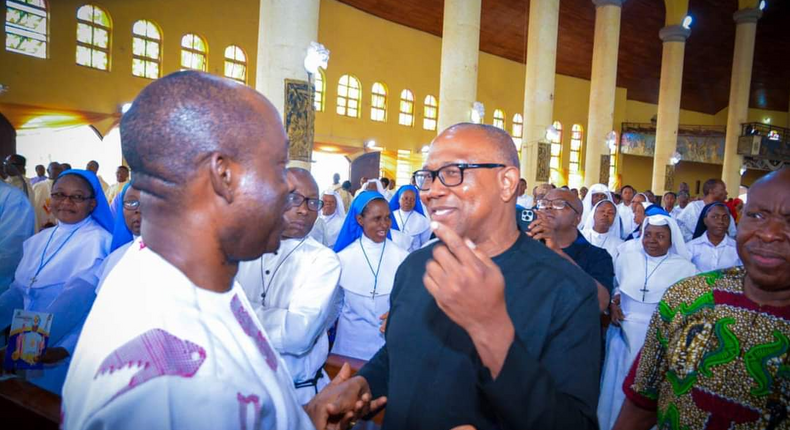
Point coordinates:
pixel 713 359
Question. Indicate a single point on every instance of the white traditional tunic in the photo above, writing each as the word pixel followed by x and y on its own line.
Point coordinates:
pixel 17 223
pixel 366 296
pixel 52 259
pixel 626 218
pixel 294 293
pixel 158 352
pixel 414 225
pixel 43 204
pixel 687 220
pixel 707 256
pixel 641 280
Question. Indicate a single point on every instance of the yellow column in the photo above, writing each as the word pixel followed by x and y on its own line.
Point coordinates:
pixel 600 120
pixel 460 51
pixel 745 34
pixel 674 38
pixel 285 31
pixel 539 85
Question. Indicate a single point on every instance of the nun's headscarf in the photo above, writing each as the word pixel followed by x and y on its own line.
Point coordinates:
pixel 341 208
pixel 678 244
pixel 121 235
pixel 101 213
pixel 701 227
pixel 351 230
pixel 379 187
pixel 654 209
pixel 587 202
pixel 614 230
pixel 395 201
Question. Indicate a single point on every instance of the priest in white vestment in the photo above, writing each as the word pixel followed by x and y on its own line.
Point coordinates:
pixel 17 224
pixel 294 292
pixel 602 228
pixel 330 219
pixel 56 257
pixel 595 194
pixel 409 217
pixel 643 275
pixel 369 260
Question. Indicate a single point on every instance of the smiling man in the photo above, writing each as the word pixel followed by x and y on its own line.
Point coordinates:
pixel 488 328
pixel 715 355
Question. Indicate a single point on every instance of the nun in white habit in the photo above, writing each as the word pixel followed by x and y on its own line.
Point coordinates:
pixel 369 260
pixel 330 219
pixel 54 259
pixel 597 193
pixel 410 217
pixel 375 185
pixel 642 274
pixel 602 228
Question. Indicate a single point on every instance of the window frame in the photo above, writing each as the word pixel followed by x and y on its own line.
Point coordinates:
pixel 236 63
pixel 344 95
pixel 430 113
pixel 498 120
pixel 406 108
pixel 146 39
pixel 575 176
pixel 378 102
pixel 92 47
pixel 556 153
pixel 192 51
pixel 319 90
pixel 24 33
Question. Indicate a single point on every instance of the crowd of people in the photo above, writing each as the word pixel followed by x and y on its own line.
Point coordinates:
pixel 209 290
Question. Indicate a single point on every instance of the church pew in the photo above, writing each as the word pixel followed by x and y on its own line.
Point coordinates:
pixel 26 406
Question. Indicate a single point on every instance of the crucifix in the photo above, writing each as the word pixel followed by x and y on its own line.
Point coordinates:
pixel 644 291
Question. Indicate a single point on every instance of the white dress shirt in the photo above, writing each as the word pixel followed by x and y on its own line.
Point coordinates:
pixel 294 293
pixel 687 220
pixel 707 256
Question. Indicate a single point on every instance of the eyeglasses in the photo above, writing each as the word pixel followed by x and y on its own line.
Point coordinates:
pixel 295 200
pixel 131 205
pixel 557 205
pixel 76 198
pixel 451 175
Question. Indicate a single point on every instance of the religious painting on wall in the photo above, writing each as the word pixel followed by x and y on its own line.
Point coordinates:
pixel 299 115
pixel 605 162
pixel 27 340
pixel 544 161
pixel 698 148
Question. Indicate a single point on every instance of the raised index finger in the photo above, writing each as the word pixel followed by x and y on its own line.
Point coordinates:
pixel 454 243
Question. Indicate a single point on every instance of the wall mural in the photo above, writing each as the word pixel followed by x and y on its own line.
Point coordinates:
pixel 699 148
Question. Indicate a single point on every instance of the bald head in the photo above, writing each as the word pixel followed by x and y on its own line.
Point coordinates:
pixel 299 219
pixel 486 138
pixel 177 122
pixel 301 178
pixel 567 195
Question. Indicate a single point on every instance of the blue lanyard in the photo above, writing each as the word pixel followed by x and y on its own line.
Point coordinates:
pixel 403 226
pixel 43 263
pixel 378 269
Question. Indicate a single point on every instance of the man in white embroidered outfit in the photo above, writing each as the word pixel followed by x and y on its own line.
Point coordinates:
pixel 172 341
pixel 294 290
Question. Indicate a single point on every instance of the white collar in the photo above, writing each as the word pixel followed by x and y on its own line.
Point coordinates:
pixel 369 244
pixel 70 227
pixel 724 243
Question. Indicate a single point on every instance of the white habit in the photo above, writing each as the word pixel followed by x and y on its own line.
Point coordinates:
pixel 158 352
pixel 294 293
pixel 609 240
pixel 414 225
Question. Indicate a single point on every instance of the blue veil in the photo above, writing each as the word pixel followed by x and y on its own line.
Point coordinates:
pixel 655 209
pixel 395 202
pixel 101 213
pixel 351 229
pixel 121 234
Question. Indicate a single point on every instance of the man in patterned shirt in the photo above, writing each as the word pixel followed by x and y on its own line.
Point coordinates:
pixel 717 355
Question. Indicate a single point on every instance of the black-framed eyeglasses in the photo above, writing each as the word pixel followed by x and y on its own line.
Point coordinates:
pixel 545 204
pixel 296 200
pixel 131 205
pixel 451 175
pixel 76 198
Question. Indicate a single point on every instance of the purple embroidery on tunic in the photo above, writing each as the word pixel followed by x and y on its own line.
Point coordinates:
pixel 248 325
pixel 158 353
pixel 244 402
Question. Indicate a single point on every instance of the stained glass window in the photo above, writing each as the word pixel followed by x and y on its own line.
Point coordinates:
pixel 194 52
pixel 556 154
pixel 575 162
pixel 430 112
pixel 378 102
pixel 406 108
pixel 613 165
pixel 94 33
pixel 320 89
pixel 518 129
pixel 236 64
pixel 26 27
pixel 146 50
pixel 349 95
pixel 499 119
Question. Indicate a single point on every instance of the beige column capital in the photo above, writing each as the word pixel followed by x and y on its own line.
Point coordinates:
pixel 674 33
pixel 599 3
pixel 745 16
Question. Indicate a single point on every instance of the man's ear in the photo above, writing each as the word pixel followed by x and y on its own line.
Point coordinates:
pixel 509 179
pixel 221 174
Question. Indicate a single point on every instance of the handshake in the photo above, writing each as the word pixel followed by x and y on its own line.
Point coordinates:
pixel 341 403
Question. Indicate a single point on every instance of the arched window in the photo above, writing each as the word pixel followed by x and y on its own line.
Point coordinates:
pixel 146 50
pixel 518 129
pixel 320 89
pixel 236 64
pixel 613 164
pixel 94 32
pixel 378 102
pixel 430 112
pixel 556 153
pixel 349 94
pixel 194 52
pixel 406 108
pixel 574 167
pixel 26 27
pixel 499 119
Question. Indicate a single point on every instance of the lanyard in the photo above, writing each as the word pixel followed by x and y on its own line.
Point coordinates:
pixel 403 224
pixel 271 281
pixel 43 263
pixel 644 289
pixel 378 269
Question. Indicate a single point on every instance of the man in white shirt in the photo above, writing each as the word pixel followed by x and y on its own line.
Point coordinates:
pixel 524 200
pixel 712 249
pixel 682 202
pixel 172 341
pixel 713 190
pixel 627 194
pixel 293 290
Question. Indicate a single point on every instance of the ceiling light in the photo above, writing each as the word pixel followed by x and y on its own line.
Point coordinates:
pixel 687 22
pixel 675 158
pixel 317 56
pixel 762 5
pixel 371 143
pixel 125 107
